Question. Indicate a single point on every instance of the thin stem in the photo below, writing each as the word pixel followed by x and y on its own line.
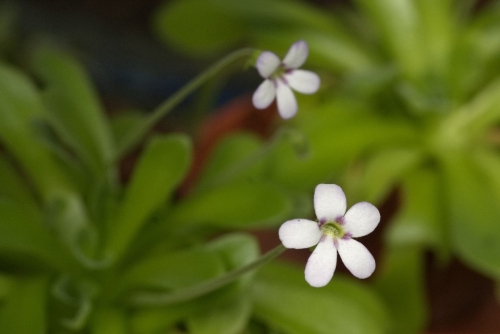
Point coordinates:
pixel 185 294
pixel 164 108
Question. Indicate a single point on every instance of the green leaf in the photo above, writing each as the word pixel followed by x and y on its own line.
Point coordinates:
pixel 236 250
pixel 421 219
pixel 275 25
pixel 339 132
pixel 401 285
pixel 74 109
pixel 285 301
pixel 239 205
pixel 6 285
pixel 474 213
pixel 399 23
pixel 160 169
pixel 25 309
pixel 438 33
pixel 109 321
pixel 230 318
pixel 489 163
pixel 125 122
pixel 472 119
pixel 281 13
pixel 20 106
pixel 385 169
pixel 225 164
pixel 23 236
pixel 159 319
pixel 197 27
pixel 174 270
pixel 14 188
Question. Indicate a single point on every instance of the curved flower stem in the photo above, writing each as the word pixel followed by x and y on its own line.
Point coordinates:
pixel 188 293
pixel 164 108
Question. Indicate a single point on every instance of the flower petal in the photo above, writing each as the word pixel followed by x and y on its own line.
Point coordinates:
pixel 361 219
pixel 305 82
pixel 329 202
pixel 297 55
pixel 264 95
pixel 356 257
pixel 287 104
pixel 321 264
pixel 267 63
pixel 299 233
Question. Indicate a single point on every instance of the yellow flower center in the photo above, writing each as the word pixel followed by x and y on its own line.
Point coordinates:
pixel 333 229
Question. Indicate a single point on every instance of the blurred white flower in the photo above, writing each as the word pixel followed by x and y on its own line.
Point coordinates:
pixel 334 232
pixel 280 77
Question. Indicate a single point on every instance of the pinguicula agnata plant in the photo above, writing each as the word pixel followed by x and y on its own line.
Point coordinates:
pixel 83 252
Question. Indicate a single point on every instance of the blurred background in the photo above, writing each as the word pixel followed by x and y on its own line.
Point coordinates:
pixel 134 68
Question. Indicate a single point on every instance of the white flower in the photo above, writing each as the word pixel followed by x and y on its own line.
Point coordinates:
pixel 281 77
pixel 334 232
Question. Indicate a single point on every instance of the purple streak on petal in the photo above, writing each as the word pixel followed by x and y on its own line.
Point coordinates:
pixel 347 236
pixel 340 220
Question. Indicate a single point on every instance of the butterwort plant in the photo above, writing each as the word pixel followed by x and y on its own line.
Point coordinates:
pixel 111 256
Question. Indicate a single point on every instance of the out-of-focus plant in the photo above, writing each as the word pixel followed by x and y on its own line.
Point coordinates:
pixel 411 101
pixel 82 251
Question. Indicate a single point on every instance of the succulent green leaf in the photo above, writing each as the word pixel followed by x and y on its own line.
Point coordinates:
pixel 25 309
pixel 198 27
pixel 174 270
pixel 159 171
pixel 401 285
pixel 285 301
pixel 385 169
pixel 14 188
pixel 25 237
pixel 339 132
pixel 21 107
pixel 109 321
pixel 230 318
pixel 237 205
pixel 73 108
pixel 124 123
pixel 474 212
pixel 227 161
pixel 421 219
pixel 236 250
pixel 400 25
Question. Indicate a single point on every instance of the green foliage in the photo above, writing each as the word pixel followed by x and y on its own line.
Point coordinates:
pixel 74 109
pixel 402 271
pixel 410 103
pixel 64 215
pixel 233 207
pixel 284 300
pixel 160 169
pixel 27 299
pixel 188 25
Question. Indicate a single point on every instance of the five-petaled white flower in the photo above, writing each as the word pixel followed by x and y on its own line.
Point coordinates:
pixel 334 232
pixel 280 77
